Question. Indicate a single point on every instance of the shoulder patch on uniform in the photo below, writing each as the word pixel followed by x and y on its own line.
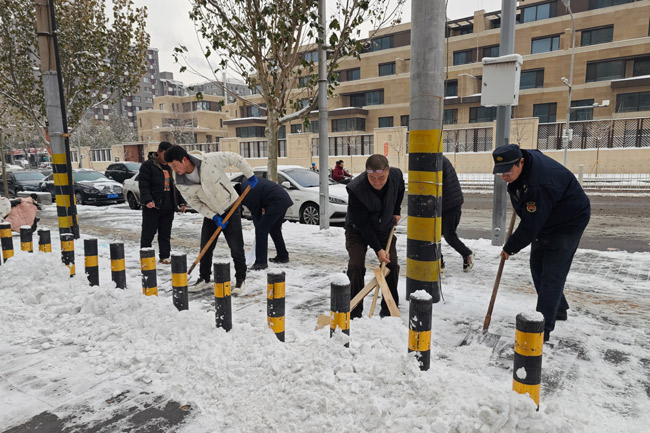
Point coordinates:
pixel 531 206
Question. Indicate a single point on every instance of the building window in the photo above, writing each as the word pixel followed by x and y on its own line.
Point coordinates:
pixel 347 145
pixel 350 75
pixel 253 149
pixel 404 120
pixel 161 107
pixel 250 131
pixel 296 129
pixel 641 67
pixel 386 122
pixel 545 112
pixel 282 148
pixel 349 124
pixel 531 79
pixel 491 51
pixel 539 12
pixel 136 99
pixel 482 114
pixel 638 101
pixel 597 36
pixel 545 44
pixel 374 97
pixel 597 4
pixel 252 111
pixel 451 89
pixel 311 56
pixel 586 113
pixel 607 70
pixel 386 69
pixel 450 116
pixel 463 57
pixel 383 43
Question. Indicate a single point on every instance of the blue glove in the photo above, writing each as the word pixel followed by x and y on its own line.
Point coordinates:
pixel 219 221
pixel 252 181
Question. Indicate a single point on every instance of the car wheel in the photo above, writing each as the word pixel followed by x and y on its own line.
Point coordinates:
pixel 133 202
pixel 309 214
pixel 79 197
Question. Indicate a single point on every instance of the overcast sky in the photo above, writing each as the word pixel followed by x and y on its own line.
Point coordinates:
pixel 170 26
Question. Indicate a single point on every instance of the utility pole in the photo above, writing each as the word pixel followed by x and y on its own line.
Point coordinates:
pixel 506 46
pixel 57 124
pixel 425 148
pixel 323 141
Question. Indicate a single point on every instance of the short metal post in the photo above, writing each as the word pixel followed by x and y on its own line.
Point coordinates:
pixel 26 239
pixel 7 241
pixel 275 292
pixel 91 261
pixel 529 341
pixel 118 266
pixel 581 173
pixel 340 306
pixel 420 308
pixel 44 241
pixel 179 281
pixel 222 299
pixel 148 267
pixel 67 252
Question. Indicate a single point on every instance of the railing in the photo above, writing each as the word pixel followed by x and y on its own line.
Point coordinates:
pixel 594 134
pixel 635 182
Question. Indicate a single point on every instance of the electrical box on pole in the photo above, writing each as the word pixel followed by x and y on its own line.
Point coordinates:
pixel 501 80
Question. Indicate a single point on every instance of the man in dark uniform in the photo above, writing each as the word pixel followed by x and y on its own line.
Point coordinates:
pixel 268 203
pixel 554 212
pixel 375 199
pixel 159 200
pixel 452 202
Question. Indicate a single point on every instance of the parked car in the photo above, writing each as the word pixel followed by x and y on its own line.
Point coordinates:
pixel 120 171
pixel 21 180
pixel 302 185
pixel 90 187
pixel 131 190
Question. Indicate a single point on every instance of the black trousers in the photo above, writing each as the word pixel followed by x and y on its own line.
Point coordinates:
pixel 450 221
pixel 357 248
pixel 235 240
pixel 269 223
pixel 154 220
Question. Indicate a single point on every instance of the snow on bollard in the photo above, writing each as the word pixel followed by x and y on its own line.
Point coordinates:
pixel 148 268
pixel 7 242
pixel 179 281
pixel 91 261
pixel 44 241
pixel 26 239
pixel 340 305
pixel 67 252
pixel 529 340
pixel 118 267
pixel 275 292
pixel 420 308
pixel 222 299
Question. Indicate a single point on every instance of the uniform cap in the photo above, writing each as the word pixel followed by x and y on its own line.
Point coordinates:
pixel 505 157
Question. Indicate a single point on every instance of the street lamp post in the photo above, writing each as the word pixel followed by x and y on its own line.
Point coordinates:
pixel 565 136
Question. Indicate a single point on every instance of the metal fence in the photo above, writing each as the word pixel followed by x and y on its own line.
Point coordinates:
pixel 593 134
pixel 467 140
pixel 634 182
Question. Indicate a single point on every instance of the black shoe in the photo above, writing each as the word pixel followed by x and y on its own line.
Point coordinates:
pixel 239 287
pixel 279 259
pixel 258 267
pixel 384 313
pixel 547 336
pixel 561 315
pixel 442 265
pixel 468 262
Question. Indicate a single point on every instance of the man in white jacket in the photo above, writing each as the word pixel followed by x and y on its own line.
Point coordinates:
pixel 201 179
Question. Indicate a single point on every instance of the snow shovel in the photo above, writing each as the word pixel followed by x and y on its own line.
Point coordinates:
pixel 484 337
pixel 233 208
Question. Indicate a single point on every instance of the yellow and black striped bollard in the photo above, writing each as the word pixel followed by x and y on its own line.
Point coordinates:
pixel 148 267
pixel 67 252
pixel 179 281
pixel 44 241
pixel 275 292
pixel 7 241
pixel 222 299
pixel 118 266
pixel 26 239
pixel 420 308
pixel 340 306
pixel 91 261
pixel 529 341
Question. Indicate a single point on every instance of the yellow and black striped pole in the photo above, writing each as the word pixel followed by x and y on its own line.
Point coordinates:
pixel 222 299
pixel 118 265
pixel 26 239
pixel 340 306
pixel 91 261
pixel 67 252
pixel 529 341
pixel 275 292
pixel 148 267
pixel 420 308
pixel 179 281
pixel 7 241
pixel 44 241
pixel 66 208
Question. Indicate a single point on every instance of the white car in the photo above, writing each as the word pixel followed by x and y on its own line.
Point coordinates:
pixel 302 185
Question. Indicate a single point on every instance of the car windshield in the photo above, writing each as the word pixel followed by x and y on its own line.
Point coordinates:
pixel 81 176
pixel 303 177
pixel 133 166
pixel 29 175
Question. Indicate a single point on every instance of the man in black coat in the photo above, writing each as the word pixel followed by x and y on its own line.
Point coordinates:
pixel 268 203
pixel 554 212
pixel 159 200
pixel 374 204
pixel 452 202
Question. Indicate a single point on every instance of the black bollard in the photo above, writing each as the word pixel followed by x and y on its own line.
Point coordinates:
pixel 26 239
pixel 222 300
pixel 420 309
pixel 44 241
pixel 529 341
pixel 118 267
pixel 179 281
pixel 7 241
pixel 340 306
pixel 91 261
pixel 148 267
pixel 275 292
pixel 67 252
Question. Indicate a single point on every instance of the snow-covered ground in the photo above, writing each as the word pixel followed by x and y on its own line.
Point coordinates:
pixel 68 348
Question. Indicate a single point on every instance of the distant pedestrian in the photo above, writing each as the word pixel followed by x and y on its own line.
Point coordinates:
pixel 340 174
pixel 554 212
pixel 452 202
pixel 313 167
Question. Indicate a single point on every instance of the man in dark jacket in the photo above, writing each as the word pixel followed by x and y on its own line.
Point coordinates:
pixel 268 203
pixel 159 198
pixel 452 202
pixel 554 212
pixel 374 203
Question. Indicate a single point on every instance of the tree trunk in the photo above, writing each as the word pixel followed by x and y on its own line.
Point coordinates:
pixel 272 127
